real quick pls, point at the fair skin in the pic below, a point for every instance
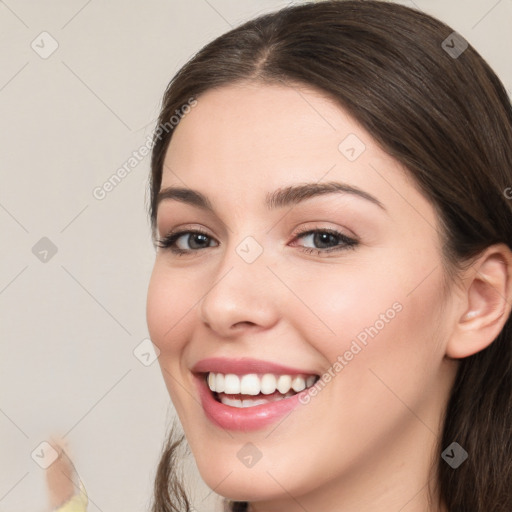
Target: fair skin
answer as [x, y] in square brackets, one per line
[366, 441]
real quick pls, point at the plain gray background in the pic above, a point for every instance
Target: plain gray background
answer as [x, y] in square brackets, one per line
[70, 321]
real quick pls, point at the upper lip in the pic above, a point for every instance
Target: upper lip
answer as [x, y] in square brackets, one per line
[245, 365]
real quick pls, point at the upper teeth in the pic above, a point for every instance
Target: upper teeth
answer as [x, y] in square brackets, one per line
[254, 384]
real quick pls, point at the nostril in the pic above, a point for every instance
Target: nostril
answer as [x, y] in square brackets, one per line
[242, 324]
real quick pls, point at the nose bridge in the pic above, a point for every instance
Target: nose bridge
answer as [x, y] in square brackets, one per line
[241, 290]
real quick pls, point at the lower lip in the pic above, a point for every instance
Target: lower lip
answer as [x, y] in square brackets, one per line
[246, 418]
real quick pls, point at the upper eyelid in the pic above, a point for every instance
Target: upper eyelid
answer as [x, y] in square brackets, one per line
[179, 196]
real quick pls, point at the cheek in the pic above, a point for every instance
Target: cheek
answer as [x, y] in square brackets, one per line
[168, 311]
[372, 309]
[344, 300]
[168, 314]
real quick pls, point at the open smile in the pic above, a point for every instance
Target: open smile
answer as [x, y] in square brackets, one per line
[254, 389]
[235, 399]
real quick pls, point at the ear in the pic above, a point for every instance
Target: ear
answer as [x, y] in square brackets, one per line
[486, 303]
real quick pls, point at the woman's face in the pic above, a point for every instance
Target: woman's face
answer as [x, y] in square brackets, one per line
[279, 283]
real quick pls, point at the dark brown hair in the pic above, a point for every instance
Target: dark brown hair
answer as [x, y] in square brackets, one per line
[448, 120]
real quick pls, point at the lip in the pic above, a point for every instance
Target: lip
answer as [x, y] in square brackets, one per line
[244, 365]
[244, 419]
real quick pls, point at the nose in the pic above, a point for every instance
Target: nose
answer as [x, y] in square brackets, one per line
[241, 296]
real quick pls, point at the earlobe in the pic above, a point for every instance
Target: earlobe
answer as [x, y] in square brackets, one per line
[487, 303]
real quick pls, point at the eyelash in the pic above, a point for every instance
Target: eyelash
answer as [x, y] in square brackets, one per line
[168, 242]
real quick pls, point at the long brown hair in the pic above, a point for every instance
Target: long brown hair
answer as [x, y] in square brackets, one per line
[448, 119]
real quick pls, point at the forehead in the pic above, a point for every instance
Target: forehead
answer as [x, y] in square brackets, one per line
[250, 121]
[248, 139]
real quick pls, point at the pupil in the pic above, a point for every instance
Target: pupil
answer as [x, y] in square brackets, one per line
[195, 236]
[321, 238]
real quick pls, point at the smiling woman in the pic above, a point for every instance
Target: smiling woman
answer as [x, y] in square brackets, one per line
[341, 176]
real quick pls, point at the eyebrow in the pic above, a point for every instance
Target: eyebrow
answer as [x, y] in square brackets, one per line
[280, 198]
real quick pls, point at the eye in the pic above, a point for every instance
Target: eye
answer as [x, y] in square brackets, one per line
[326, 240]
[194, 239]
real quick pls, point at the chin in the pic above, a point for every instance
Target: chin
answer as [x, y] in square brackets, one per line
[266, 480]
[243, 485]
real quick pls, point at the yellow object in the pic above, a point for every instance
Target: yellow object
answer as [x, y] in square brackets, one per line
[78, 503]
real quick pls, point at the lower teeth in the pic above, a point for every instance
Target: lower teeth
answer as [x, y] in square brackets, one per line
[242, 403]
